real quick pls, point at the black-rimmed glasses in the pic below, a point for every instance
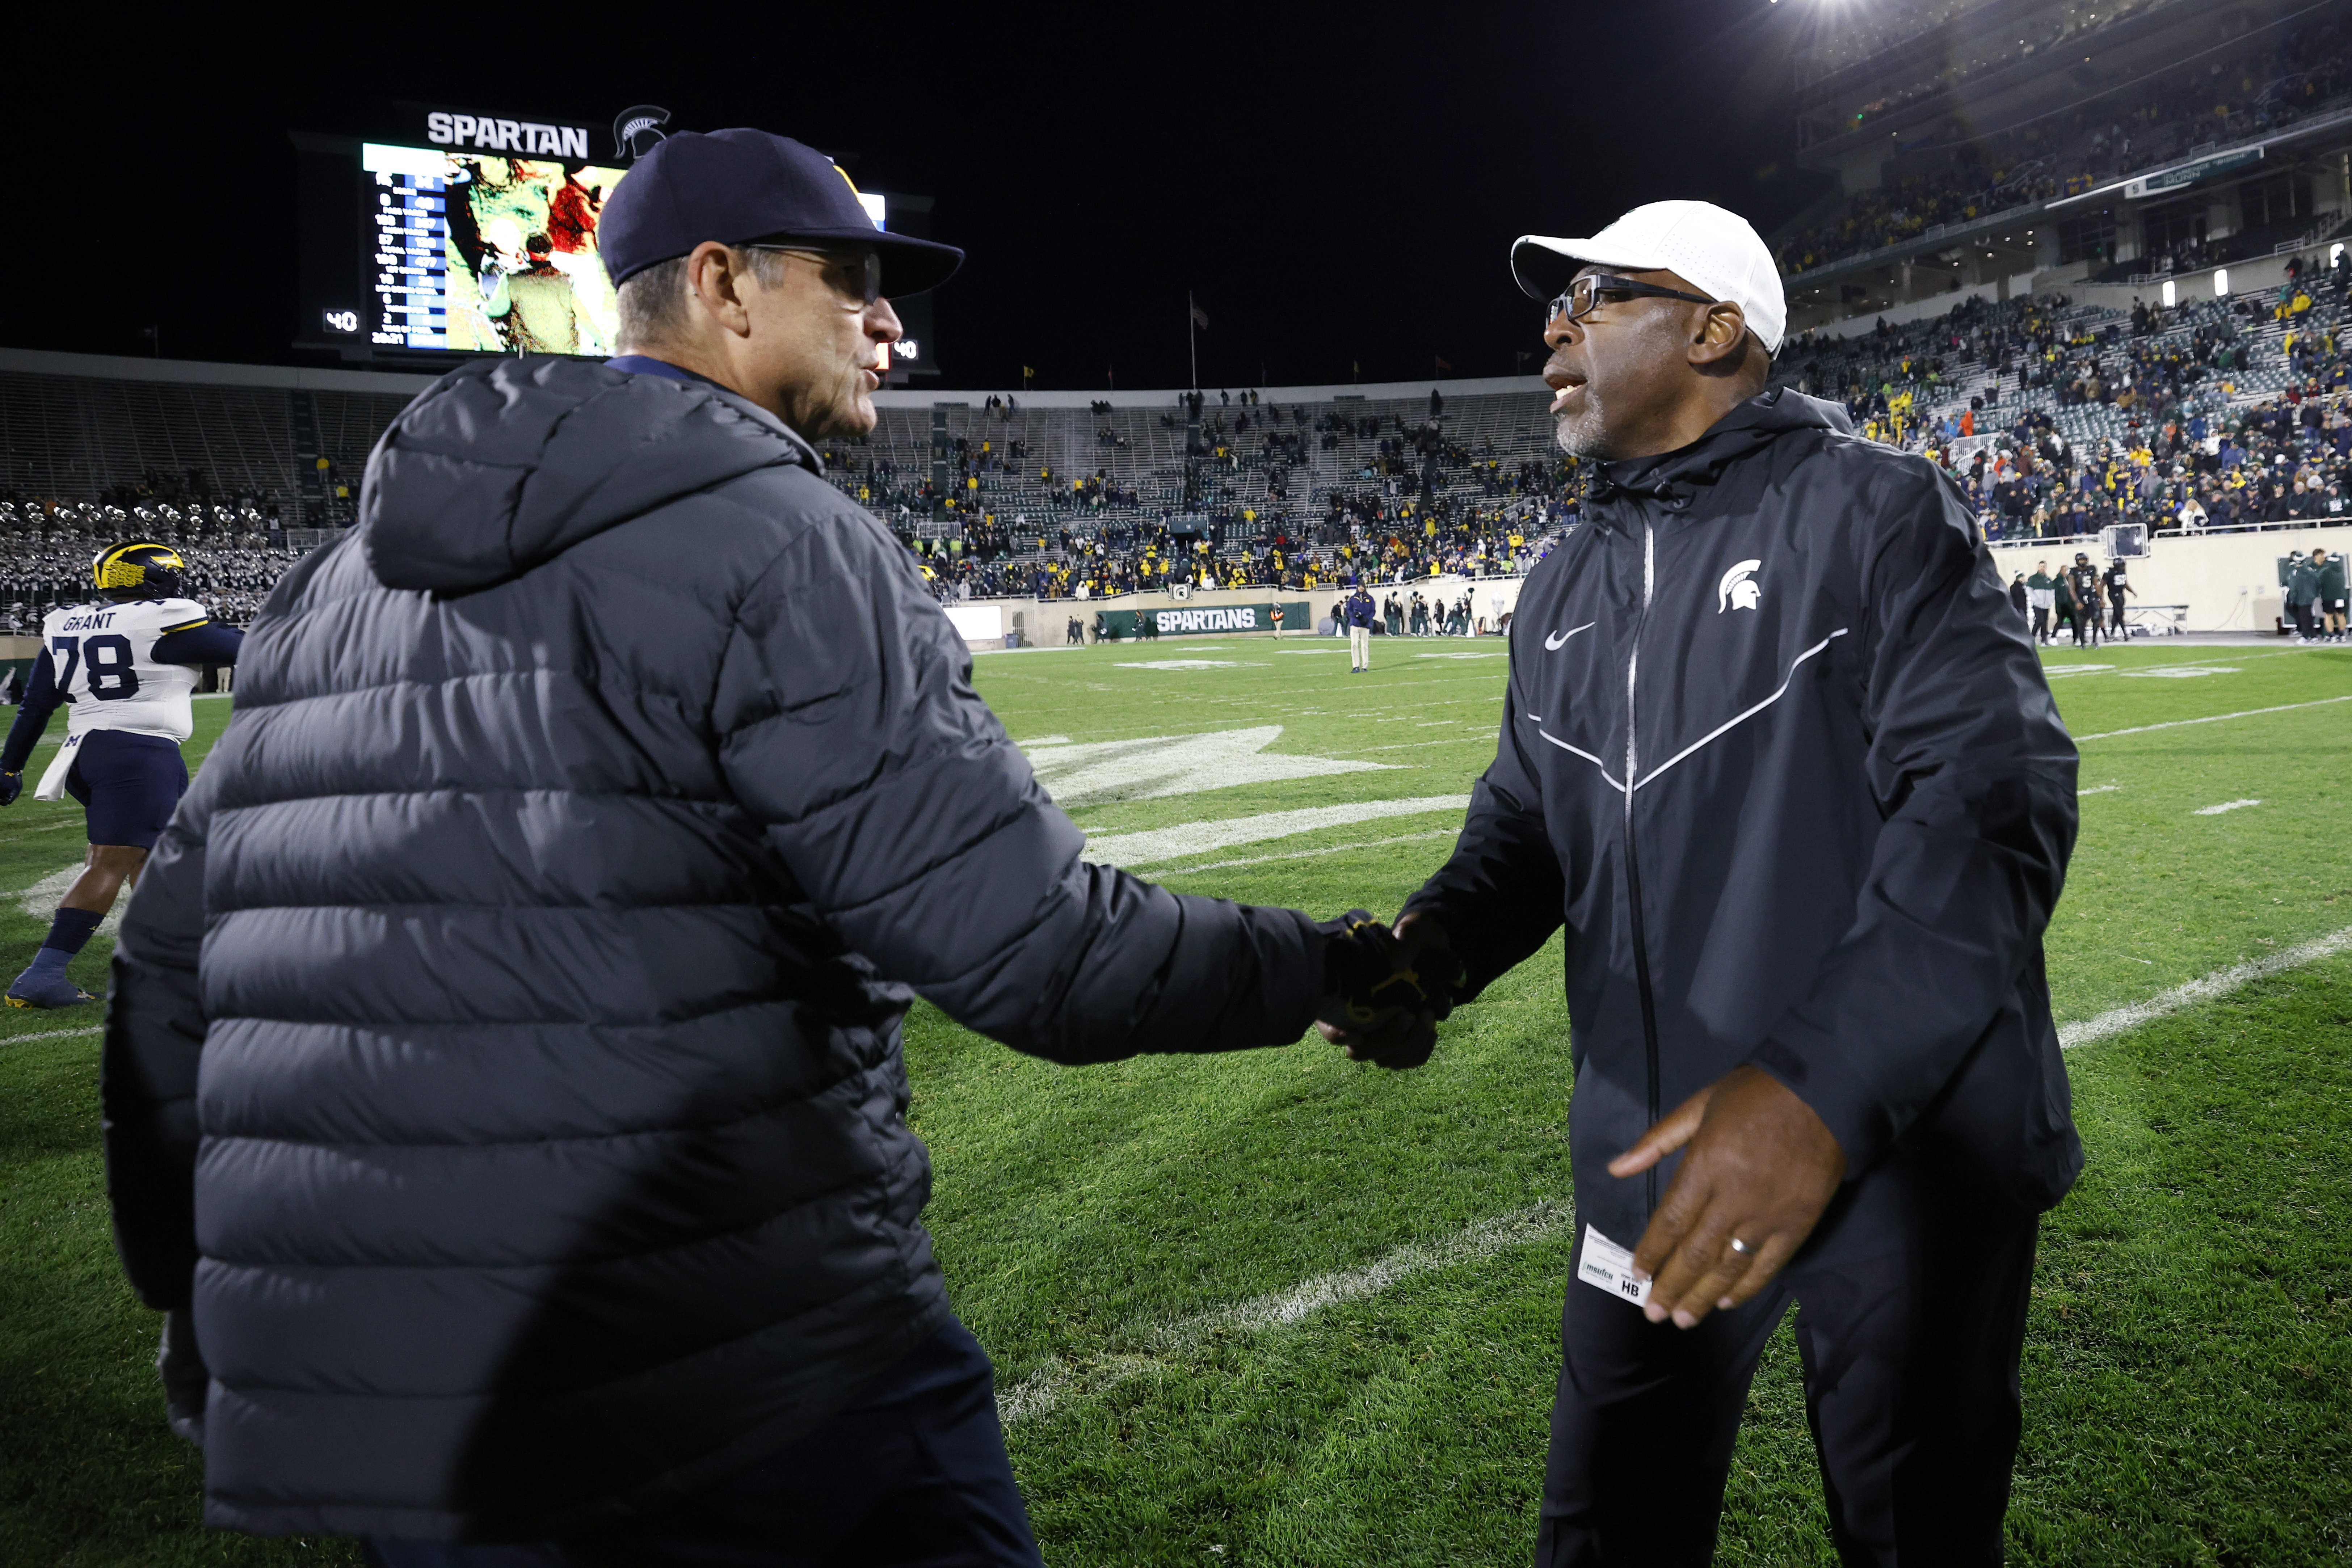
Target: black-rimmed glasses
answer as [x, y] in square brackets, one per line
[1586, 293]
[870, 282]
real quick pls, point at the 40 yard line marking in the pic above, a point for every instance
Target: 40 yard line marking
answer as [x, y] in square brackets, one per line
[1059, 1382]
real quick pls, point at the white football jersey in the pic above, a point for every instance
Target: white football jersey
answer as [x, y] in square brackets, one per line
[100, 657]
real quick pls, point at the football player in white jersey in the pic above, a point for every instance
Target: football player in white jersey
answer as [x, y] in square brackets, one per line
[126, 664]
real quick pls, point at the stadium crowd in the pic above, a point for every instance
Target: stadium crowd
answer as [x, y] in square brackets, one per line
[1230, 509]
[1359, 537]
[45, 546]
[2058, 421]
[2071, 423]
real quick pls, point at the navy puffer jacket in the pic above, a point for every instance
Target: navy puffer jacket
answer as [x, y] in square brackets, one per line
[504, 1056]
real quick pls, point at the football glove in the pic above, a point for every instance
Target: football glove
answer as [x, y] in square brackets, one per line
[11, 785]
[1360, 973]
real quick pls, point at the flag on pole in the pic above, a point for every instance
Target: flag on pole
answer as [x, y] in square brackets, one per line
[1200, 318]
[1444, 363]
[1027, 370]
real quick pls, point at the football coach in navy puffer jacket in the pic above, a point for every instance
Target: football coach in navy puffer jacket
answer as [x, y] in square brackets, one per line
[503, 1078]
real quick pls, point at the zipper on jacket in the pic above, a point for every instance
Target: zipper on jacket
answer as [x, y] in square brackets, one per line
[1633, 863]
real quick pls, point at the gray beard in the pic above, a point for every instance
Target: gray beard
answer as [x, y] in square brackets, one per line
[1580, 433]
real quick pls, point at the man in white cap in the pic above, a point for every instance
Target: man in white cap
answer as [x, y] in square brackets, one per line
[1780, 757]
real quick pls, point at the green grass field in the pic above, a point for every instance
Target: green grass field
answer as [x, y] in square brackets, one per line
[1275, 1308]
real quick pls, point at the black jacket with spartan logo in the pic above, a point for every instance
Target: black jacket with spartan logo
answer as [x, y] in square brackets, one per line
[1779, 754]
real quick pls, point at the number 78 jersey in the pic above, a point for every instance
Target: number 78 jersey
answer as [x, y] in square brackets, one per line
[102, 657]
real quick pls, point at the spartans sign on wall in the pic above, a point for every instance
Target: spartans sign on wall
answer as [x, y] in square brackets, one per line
[1296, 616]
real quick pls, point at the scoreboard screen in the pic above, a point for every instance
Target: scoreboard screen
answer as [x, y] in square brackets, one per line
[470, 233]
[487, 254]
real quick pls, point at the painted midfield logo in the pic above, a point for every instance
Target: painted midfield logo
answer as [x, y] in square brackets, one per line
[1738, 589]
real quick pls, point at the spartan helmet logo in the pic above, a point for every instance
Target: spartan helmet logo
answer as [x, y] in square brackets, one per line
[637, 130]
[1738, 590]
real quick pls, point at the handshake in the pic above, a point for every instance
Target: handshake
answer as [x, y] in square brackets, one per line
[1384, 990]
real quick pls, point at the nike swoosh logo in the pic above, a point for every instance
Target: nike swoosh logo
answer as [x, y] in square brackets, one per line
[1552, 644]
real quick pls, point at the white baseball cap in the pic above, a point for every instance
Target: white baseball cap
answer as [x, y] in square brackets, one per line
[1719, 253]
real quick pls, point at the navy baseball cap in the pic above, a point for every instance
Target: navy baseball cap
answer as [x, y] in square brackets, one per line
[739, 185]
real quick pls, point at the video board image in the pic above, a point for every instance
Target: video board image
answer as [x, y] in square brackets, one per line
[485, 254]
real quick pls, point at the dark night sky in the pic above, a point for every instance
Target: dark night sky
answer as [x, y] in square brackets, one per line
[1335, 183]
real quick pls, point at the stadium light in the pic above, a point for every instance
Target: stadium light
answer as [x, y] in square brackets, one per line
[2167, 294]
[2221, 283]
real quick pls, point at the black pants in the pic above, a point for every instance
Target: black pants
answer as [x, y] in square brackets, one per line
[914, 1475]
[1910, 1318]
[2302, 613]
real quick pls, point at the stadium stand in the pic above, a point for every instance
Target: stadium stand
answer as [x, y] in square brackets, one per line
[1975, 143]
[242, 467]
[1287, 490]
[2059, 419]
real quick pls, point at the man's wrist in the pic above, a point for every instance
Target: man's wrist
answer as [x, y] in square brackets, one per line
[1849, 1121]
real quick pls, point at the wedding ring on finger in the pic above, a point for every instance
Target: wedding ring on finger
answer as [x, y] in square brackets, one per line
[1739, 1246]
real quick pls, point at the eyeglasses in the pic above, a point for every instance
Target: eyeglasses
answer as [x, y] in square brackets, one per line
[1584, 295]
[869, 282]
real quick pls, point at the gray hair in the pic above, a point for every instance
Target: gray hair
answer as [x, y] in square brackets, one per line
[653, 309]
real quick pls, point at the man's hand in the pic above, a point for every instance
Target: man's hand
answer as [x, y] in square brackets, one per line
[11, 785]
[1423, 971]
[1759, 1169]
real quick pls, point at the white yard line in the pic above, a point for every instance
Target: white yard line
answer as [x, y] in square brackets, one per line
[2210, 719]
[2209, 987]
[2224, 806]
[74, 821]
[2224, 655]
[50, 1034]
[1184, 665]
[40, 901]
[1059, 1382]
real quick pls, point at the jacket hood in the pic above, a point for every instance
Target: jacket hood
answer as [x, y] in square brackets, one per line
[507, 462]
[1750, 428]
